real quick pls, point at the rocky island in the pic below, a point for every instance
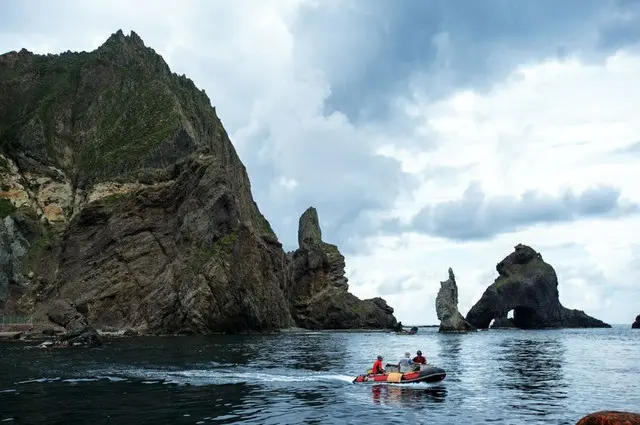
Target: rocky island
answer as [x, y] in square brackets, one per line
[528, 286]
[636, 324]
[447, 307]
[124, 205]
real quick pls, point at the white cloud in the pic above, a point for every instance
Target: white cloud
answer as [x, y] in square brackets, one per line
[550, 126]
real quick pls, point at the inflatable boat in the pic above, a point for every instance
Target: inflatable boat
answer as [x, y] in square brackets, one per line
[425, 373]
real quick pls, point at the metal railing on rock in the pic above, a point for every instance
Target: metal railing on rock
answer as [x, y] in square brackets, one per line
[15, 323]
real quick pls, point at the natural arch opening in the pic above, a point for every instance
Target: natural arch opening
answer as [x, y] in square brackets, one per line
[510, 314]
[526, 318]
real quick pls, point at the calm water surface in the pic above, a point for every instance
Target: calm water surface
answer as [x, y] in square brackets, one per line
[500, 377]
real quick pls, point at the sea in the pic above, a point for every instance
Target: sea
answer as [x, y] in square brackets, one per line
[493, 377]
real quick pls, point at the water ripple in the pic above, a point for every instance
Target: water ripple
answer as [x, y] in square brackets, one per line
[514, 377]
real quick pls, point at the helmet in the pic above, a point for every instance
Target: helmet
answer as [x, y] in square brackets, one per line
[419, 352]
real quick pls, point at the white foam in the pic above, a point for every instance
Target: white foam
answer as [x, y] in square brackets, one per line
[202, 377]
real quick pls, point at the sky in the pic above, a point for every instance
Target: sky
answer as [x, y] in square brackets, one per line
[428, 134]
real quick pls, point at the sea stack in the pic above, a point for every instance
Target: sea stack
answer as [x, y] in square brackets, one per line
[447, 307]
[319, 289]
[636, 324]
[528, 286]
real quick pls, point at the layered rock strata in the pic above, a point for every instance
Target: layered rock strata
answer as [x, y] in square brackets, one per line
[123, 195]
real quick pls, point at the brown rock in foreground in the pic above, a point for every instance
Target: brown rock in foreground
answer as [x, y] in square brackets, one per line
[607, 417]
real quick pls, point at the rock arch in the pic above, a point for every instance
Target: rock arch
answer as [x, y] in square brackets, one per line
[528, 286]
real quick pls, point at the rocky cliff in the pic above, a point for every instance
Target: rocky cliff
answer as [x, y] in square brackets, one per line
[447, 307]
[528, 286]
[319, 290]
[123, 195]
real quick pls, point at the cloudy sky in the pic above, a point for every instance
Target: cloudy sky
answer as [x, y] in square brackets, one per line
[429, 134]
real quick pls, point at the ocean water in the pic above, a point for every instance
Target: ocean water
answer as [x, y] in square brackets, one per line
[497, 377]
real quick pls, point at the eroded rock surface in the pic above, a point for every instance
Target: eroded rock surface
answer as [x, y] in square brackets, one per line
[447, 307]
[144, 216]
[66, 314]
[84, 336]
[319, 289]
[528, 286]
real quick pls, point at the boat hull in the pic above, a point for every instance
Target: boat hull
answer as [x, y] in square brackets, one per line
[428, 374]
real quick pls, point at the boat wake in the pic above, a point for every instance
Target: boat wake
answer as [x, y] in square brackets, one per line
[199, 377]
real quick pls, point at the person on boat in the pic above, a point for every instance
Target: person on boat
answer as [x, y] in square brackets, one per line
[405, 363]
[419, 358]
[377, 366]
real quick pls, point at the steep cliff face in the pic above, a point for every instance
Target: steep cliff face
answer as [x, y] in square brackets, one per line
[128, 199]
[150, 217]
[528, 286]
[319, 289]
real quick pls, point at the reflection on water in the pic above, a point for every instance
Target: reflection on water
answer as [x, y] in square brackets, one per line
[506, 377]
[534, 373]
[450, 351]
[406, 395]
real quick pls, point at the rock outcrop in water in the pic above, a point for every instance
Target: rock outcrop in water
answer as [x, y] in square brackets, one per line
[144, 212]
[636, 324]
[610, 417]
[319, 290]
[447, 307]
[528, 286]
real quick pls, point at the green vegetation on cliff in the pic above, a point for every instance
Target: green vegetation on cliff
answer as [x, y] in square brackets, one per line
[102, 114]
[6, 208]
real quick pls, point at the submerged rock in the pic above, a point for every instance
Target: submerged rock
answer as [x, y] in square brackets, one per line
[610, 417]
[447, 307]
[636, 324]
[85, 336]
[528, 286]
[319, 290]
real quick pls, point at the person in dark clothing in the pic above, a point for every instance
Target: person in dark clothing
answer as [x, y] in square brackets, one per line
[419, 358]
[377, 366]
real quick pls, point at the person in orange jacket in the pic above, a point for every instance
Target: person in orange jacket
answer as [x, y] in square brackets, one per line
[419, 359]
[377, 366]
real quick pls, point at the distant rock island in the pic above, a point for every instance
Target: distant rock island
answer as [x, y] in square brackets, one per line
[447, 307]
[636, 324]
[124, 201]
[528, 286]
